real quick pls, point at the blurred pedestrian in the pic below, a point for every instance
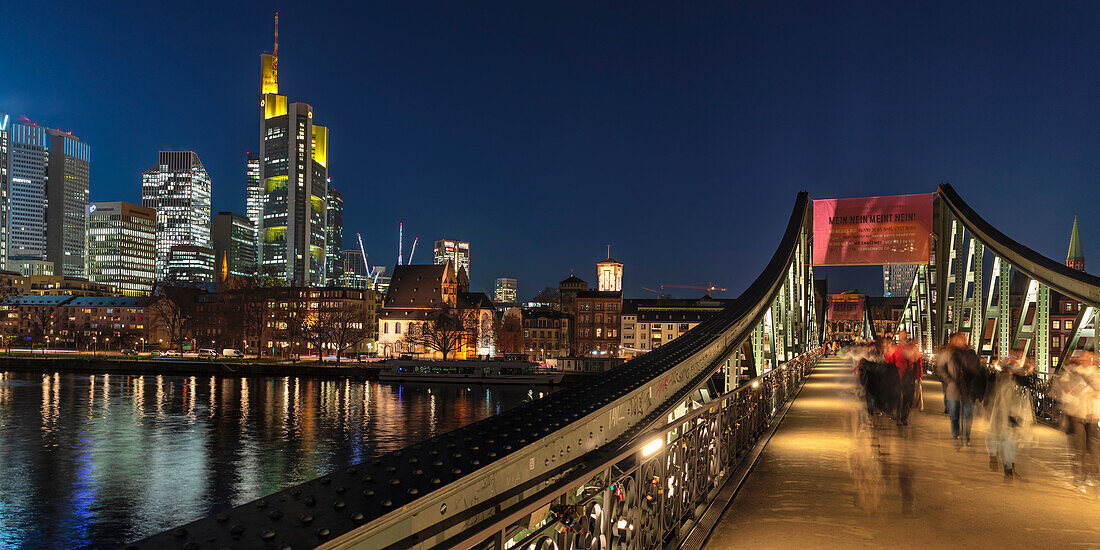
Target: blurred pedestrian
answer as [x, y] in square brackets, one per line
[1077, 390]
[907, 363]
[1010, 414]
[963, 383]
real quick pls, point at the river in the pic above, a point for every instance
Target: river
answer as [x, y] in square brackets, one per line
[92, 461]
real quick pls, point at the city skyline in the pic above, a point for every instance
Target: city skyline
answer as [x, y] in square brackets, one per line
[840, 151]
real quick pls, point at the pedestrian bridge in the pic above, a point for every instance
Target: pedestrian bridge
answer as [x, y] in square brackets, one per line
[651, 454]
[826, 481]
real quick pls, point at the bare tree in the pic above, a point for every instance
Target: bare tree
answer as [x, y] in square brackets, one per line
[171, 310]
[444, 331]
[347, 326]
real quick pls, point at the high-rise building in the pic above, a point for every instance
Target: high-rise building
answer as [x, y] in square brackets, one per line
[897, 279]
[47, 192]
[1075, 257]
[506, 291]
[189, 264]
[122, 246]
[334, 236]
[5, 193]
[254, 198]
[234, 247]
[458, 252]
[178, 188]
[353, 270]
[294, 173]
[609, 275]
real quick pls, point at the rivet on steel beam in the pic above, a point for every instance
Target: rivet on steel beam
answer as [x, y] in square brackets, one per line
[357, 517]
[179, 532]
[339, 505]
[306, 519]
[413, 491]
[268, 535]
[221, 517]
[322, 533]
[275, 515]
[236, 529]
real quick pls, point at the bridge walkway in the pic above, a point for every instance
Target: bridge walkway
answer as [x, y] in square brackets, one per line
[823, 481]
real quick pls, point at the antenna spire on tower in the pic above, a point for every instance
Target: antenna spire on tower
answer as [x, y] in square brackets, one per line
[275, 52]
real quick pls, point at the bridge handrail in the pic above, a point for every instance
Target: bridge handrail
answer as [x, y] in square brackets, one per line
[601, 459]
[535, 421]
[1078, 285]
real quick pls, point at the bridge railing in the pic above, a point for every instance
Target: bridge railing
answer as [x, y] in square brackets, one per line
[651, 493]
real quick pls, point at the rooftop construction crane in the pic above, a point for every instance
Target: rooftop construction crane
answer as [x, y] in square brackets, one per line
[710, 288]
[413, 251]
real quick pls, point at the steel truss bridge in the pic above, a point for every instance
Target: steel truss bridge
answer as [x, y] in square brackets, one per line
[647, 456]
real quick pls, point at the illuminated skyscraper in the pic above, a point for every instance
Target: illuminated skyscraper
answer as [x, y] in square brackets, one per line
[334, 236]
[47, 215]
[178, 188]
[506, 291]
[294, 173]
[897, 279]
[234, 247]
[352, 269]
[122, 246]
[5, 150]
[458, 252]
[254, 197]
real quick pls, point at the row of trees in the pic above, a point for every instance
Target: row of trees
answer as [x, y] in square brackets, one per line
[253, 312]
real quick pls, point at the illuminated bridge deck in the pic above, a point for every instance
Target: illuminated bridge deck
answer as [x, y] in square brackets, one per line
[822, 482]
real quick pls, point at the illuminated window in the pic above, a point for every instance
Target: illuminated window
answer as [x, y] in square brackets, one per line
[397, 328]
[1057, 325]
[1068, 324]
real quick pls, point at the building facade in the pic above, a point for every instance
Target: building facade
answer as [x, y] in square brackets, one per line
[122, 246]
[190, 265]
[598, 323]
[649, 323]
[254, 196]
[5, 190]
[506, 291]
[545, 333]
[294, 174]
[334, 236]
[178, 188]
[234, 243]
[47, 185]
[457, 252]
[897, 279]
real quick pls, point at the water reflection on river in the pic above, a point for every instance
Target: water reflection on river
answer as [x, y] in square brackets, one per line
[100, 460]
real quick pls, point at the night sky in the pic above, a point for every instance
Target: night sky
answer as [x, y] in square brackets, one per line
[678, 132]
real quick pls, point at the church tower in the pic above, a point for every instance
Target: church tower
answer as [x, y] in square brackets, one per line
[1075, 258]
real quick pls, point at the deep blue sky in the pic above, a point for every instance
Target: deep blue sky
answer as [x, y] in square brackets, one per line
[679, 132]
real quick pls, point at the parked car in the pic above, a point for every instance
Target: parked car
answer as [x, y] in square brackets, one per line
[206, 353]
[172, 353]
[232, 353]
[157, 353]
[129, 352]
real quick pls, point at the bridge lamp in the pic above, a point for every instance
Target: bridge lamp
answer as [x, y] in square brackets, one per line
[653, 446]
[756, 383]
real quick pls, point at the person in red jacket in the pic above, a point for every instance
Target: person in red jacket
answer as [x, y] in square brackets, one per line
[906, 358]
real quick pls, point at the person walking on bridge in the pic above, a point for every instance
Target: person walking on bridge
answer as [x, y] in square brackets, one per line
[1077, 390]
[1010, 414]
[961, 375]
[906, 360]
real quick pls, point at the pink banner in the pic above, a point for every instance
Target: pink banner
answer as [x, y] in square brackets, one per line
[873, 230]
[845, 307]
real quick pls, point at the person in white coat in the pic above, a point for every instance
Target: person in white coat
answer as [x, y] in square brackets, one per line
[1010, 414]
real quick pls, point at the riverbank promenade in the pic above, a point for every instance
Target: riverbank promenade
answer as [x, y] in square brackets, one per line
[828, 480]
